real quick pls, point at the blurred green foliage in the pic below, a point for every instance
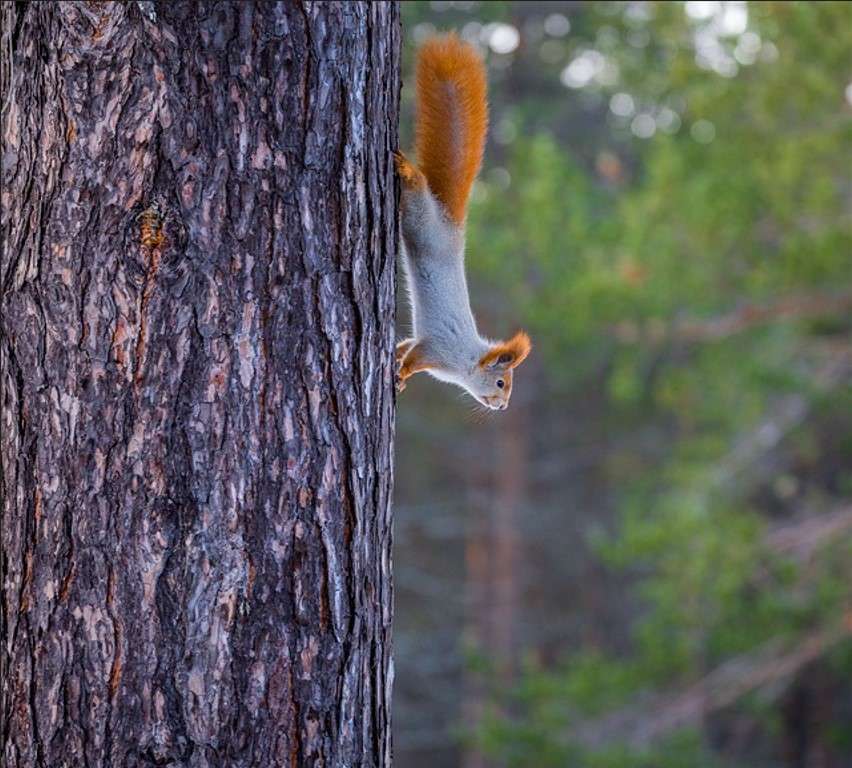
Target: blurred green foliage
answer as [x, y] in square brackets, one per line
[604, 245]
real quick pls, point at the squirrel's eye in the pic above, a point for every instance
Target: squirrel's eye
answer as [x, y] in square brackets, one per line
[500, 383]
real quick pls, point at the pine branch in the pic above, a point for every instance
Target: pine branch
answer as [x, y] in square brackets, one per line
[648, 719]
[739, 320]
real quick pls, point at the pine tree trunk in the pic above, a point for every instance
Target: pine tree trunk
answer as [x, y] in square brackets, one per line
[197, 281]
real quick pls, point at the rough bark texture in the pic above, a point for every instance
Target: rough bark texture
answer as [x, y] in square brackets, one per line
[197, 284]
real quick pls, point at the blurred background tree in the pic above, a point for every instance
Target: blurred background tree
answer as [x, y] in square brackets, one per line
[647, 561]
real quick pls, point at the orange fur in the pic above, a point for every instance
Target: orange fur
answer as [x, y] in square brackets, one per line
[517, 348]
[408, 172]
[402, 348]
[411, 359]
[452, 119]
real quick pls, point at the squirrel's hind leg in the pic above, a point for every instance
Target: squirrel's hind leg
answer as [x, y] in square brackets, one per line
[421, 217]
[411, 176]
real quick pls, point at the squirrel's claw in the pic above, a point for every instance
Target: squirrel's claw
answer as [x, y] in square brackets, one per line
[398, 381]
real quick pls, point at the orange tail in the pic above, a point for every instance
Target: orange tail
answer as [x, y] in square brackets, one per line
[452, 119]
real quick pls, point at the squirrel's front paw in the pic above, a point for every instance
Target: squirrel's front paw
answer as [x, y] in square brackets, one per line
[398, 381]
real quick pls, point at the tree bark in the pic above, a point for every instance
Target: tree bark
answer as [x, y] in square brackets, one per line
[199, 233]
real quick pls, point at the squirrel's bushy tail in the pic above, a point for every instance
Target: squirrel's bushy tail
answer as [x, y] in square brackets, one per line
[452, 119]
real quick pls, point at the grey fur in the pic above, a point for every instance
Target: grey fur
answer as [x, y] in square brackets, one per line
[443, 323]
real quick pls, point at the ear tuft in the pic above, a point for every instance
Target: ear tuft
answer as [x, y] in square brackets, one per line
[507, 354]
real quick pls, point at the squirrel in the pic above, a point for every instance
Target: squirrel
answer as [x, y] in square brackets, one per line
[452, 120]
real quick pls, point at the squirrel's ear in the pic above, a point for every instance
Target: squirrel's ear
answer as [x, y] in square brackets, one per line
[507, 354]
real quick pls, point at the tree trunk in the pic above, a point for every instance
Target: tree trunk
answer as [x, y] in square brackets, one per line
[198, 290]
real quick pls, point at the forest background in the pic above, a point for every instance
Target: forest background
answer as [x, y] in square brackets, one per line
[646, 561]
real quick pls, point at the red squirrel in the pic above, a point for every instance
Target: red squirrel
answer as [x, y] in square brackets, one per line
[452, 120]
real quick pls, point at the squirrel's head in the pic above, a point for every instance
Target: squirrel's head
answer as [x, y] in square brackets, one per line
[491, 380]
